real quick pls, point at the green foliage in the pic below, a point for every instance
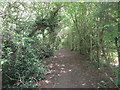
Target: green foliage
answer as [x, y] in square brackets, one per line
[25, 65]
[93, 28]
[18, 73]
[102, 84]
[33, 31]
[23, 54]
[92, 35]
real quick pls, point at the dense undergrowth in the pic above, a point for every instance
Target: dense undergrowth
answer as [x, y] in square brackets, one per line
[94, 32]
[32, 32]
[25, 45]
[25, 67]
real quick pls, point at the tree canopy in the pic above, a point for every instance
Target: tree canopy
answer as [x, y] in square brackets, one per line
[33, 31]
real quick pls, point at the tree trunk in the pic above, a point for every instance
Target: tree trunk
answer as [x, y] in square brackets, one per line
[117, 42]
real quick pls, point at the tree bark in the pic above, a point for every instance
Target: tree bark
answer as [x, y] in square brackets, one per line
[118, 51]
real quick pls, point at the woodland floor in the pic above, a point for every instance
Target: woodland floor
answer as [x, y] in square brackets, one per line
[69, 69]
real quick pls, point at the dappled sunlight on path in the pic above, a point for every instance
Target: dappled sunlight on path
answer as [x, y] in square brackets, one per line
[69, 69]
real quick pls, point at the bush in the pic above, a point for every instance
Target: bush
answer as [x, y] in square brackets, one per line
[22, 73]
[22, 59]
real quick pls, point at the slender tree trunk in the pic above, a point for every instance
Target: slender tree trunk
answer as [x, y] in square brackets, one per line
[98, 47]
[91, 57]
[98, 55]
[118, 51]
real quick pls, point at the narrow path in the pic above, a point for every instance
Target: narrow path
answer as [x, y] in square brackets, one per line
[69, 69]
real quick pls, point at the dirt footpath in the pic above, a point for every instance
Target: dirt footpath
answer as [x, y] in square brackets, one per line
[69, 69]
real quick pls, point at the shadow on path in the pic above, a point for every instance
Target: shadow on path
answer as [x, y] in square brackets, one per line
[69, 69]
